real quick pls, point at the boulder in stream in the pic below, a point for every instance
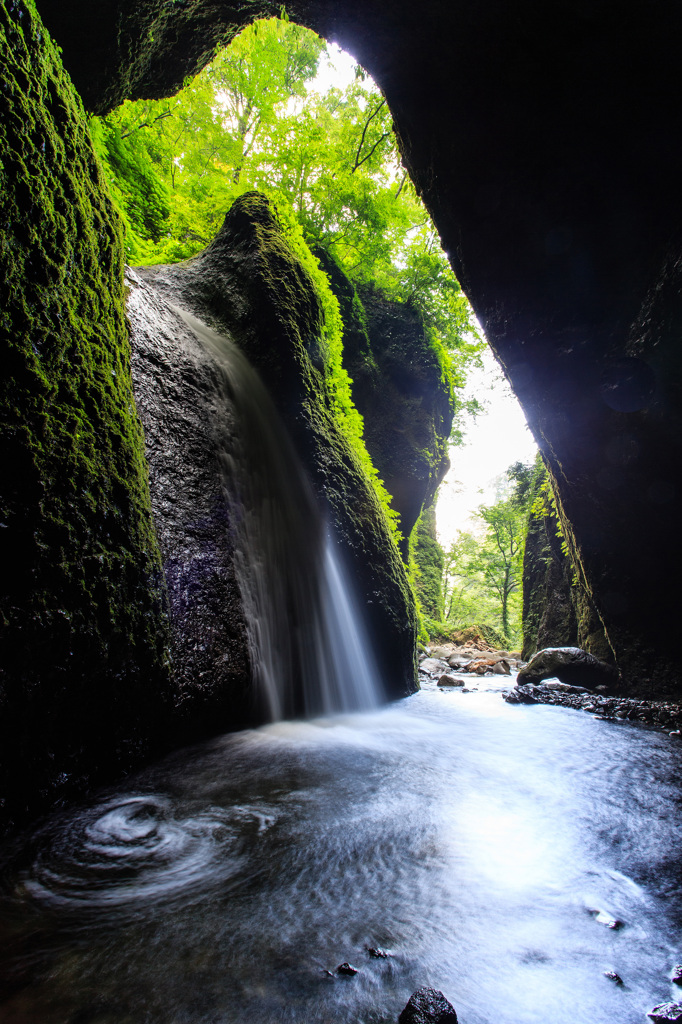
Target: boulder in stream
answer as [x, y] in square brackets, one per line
[447, 680]
[347, 969]
[429, 1006]
[665, 1013]
[570, 665]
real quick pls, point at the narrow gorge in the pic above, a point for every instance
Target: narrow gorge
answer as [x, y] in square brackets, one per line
[211, 470]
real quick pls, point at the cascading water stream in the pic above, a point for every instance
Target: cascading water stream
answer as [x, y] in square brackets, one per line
[309, 651]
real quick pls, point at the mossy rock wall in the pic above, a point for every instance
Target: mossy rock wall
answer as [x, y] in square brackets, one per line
[557, 608]
[83, 680]
[250, 285]
[399, 389]
[430, 561]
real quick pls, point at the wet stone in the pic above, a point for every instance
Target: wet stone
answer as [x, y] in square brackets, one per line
[676, 976]
[601, 917]
[666, 1012]
[346, 968]
[448, 680]
[428, 1006]
[378, 953]
[612, 976]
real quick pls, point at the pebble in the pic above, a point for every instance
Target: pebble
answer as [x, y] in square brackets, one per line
[448, 680]
[603, 918]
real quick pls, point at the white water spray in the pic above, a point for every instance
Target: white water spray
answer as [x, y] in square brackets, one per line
[309, 649]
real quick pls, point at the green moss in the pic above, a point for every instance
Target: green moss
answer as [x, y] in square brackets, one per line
[258, 284]
[81, 598]
[429, 561]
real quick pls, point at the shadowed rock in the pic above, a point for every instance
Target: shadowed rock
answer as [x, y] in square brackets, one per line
[428, 1006]
[569, 665]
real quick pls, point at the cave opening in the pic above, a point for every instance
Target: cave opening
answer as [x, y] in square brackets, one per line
[326, 869]
[284, 113]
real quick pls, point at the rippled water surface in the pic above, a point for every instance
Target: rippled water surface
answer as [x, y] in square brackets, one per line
[486, 847]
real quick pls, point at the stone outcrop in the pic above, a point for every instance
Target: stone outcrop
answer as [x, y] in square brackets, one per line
[428, 1006]
[250, 285]
[88, 687]
[557, 608]
[544, 141]
[402, 390]
[83, 664]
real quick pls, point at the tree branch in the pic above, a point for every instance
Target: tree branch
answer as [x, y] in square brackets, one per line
[148, 124]
[369, 120]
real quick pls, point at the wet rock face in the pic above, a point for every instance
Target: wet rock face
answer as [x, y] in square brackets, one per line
[179, 392]
[544, 142]
[249, 285]
[83, 662]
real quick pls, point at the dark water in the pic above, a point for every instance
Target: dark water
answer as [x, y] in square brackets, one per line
[473, 840]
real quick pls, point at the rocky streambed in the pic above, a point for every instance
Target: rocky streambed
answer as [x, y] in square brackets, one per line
[472, 669]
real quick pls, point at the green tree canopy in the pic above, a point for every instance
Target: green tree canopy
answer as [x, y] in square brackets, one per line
[255, 119]
[483, 573]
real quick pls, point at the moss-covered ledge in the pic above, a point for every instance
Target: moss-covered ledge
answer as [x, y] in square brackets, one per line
[253, 284]
[82, 665]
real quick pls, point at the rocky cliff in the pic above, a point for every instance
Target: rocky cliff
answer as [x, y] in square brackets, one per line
[112, 646]
[402, 389]
[544, 141]
[83, 664]
[250, 285]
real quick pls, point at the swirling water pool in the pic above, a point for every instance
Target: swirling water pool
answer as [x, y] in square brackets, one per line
[487, 848]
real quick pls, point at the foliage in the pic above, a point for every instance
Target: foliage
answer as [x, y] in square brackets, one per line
[336, 378]
[254, 119]
[483, 573]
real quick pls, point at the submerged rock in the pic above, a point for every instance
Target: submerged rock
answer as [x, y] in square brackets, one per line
[666, 1012]
[378, 953]
[429, 1006]
[346, 968]
[677, 974]
[569, 665]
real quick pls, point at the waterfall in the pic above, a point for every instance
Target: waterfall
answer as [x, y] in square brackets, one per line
[309, 650]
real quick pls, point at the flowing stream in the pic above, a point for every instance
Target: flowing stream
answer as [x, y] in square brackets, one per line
[486, 847]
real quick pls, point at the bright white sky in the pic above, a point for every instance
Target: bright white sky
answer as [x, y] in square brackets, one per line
[338, 70]
[493, 441]
[499, 436]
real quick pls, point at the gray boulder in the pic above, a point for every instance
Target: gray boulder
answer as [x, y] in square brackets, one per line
[570, 665]
[448, 680]
[428, 1006]
[433, 666]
